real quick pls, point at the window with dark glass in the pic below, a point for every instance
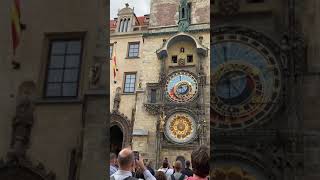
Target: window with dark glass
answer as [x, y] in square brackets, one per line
[190, 58]
[189, 12]
[129, 83]
[133, 49]
[111, 51]
[153, 96]
[63, 68]
[174, 59]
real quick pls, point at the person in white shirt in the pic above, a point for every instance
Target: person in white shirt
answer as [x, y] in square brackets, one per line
[166, 168]
[127, 164]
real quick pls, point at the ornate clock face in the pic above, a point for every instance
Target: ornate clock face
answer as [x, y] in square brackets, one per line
[245, 81]
[180, 128]
[181, 87]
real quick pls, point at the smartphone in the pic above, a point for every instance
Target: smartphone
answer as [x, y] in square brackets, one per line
[136, 155]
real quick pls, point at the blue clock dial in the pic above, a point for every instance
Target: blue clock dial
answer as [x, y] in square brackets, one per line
[245, 81]
[181, 87]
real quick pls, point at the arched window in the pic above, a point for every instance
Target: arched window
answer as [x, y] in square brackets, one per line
[125, 25]
[119, 27]
[183, 13]
[122, 25]
[128, 24]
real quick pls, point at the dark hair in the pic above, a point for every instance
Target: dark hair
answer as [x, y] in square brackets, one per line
[160, 175]
[188, 163]
[165, 164]
[126, 160]
[200, 161]
[113, 156]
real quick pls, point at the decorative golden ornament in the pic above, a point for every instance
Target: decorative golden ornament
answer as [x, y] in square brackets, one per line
[180, 128]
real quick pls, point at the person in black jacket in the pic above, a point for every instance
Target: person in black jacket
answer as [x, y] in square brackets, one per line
[187, 171]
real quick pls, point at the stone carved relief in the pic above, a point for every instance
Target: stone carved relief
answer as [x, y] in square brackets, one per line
[94, 75]
[117, 99]
[17, 165]
[23, 121]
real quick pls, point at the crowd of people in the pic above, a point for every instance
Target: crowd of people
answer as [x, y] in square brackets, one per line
[126, 166]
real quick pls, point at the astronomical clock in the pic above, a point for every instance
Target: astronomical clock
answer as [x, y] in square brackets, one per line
[181, 87]
[246, 80]
[182, 118]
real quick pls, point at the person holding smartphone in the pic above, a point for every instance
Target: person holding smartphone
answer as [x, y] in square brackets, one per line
[129, 162]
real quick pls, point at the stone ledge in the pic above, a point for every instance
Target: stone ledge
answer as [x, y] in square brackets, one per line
[58, 101]
[140, 132]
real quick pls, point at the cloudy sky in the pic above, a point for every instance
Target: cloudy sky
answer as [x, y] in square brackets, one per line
[141, 7]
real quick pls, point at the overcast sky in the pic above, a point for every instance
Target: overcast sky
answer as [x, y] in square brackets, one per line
[141, 7]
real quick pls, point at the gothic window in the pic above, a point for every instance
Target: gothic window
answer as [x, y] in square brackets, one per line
[189, 12]
[183, 13]
[133, 49]
[63, 69]
[129, 82]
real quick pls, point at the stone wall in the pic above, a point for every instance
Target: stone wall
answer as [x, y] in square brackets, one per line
[166, 12]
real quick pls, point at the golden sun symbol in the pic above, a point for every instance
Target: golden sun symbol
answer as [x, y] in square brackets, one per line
[181, 127]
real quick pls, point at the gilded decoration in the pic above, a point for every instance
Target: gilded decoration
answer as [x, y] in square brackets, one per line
[180, 128]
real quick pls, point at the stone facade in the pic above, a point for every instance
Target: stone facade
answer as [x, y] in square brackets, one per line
[53, 138]
[152, 70]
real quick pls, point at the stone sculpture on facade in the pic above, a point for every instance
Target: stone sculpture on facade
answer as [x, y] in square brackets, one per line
[95, 74]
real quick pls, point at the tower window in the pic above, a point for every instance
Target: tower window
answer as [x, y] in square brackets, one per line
[183, 13]
[190, 58]
[189, 12]
[174, 59]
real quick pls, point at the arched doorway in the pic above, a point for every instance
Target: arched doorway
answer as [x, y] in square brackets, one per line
[116, 139]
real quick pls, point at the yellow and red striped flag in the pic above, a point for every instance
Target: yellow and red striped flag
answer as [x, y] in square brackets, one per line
[114, 62]
[16, 27]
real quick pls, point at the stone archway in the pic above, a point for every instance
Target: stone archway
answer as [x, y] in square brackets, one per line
[116, 139]
[124, 124]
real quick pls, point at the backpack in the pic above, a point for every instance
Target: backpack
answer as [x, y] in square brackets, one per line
[180, 178]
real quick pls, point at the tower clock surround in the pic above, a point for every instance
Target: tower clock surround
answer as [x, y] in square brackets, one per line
[246, 78]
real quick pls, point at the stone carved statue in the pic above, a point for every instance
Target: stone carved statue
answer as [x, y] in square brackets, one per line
[182, 57]
[117, 99]
[162, 122]
[21, 128]
[94, 74]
